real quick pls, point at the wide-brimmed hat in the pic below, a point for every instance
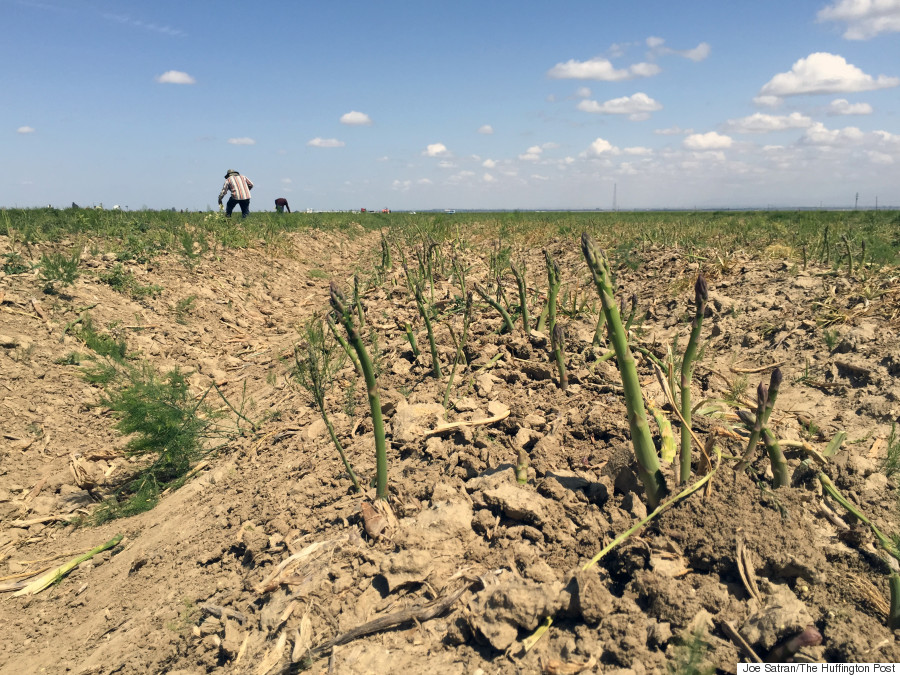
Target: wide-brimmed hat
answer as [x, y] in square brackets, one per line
[231, 172]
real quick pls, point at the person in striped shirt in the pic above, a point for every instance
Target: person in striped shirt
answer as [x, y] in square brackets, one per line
[240, 187]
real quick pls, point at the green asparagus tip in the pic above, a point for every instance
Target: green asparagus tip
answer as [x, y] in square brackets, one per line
[776, 379]
[701, 290]
[762, 395]
[587, 247]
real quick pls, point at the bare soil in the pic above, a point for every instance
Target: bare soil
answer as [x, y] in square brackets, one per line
[267, 552]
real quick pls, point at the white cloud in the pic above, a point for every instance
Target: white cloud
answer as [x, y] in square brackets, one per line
[824, 73]
[637, 150]
[242, 141]
[877, 157]
[175, 77]
[819, 134]
[25, 130]
[401, 185]
[600, 69]
[447, 164]
[435, 150]
[864, 18]
[673, 131]
[698, 53]
[286, 181]
[486, 129]
[841, 106]
[582, 92]
[488, 178]
[708, 141]
[318, 142]
[600, 147]
[767, 101]
[637, 105]
[489, 164]
[356, 119]
[887, 137]
[760, 123]
[424, 181]
[532, 154]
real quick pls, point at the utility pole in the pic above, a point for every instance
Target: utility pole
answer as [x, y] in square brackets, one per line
[856, 203]
[876, 202]
[615, 206]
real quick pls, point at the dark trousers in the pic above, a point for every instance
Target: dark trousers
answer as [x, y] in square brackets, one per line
[243, 203]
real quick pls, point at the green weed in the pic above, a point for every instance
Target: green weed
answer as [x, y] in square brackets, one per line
[831, 337]
[57, 269]
[13, 263]
[690, 656]
[104, 344]
[124, 281]
[165, 423]
[183, 307]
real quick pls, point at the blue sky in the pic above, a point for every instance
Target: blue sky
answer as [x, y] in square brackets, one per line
[462, 104]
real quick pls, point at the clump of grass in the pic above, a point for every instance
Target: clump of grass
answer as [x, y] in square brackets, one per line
[14, 263]
[124, 281]
[104, 344]
[183, 307]
[164, 422]
[831, 337]
[193, 245]
[59, 270]
[690, 656]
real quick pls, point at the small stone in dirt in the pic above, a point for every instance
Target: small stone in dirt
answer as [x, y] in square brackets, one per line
[446, 520]
[210, 625]
[315, 429]
[412, 421]
[406, 567]
[526, 438]
[9, 342]
[517, 503]
[254, 540]
[535, 421]
[782, 616]
[466, 404]
[484, 384]
[401, 367]
[500, 611]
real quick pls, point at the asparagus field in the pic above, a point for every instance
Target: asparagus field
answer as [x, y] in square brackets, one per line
[472, 443]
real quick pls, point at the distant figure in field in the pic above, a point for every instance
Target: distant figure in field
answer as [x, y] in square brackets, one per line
[281, 204]
[240, 187]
